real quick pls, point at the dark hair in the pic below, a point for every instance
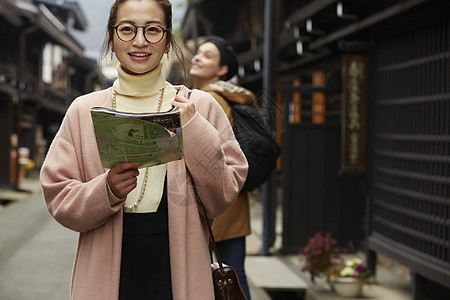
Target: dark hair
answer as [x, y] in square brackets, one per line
[227, 55]
[171, 40]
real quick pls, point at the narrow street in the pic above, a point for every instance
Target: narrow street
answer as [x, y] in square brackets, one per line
[36, 253]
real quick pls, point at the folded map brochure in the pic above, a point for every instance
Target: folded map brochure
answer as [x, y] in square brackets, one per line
[149, 139]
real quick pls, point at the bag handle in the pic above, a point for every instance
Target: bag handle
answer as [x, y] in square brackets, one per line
[211, 236]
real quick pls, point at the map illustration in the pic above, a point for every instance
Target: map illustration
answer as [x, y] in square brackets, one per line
[148, 139]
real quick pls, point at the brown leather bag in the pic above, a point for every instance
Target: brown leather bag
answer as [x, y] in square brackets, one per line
[225, 280]
[226, 283]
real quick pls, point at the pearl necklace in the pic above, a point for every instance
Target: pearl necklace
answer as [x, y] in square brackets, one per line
[144, 182]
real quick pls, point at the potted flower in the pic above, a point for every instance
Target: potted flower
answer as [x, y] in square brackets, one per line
[320, 255]
[348, 278]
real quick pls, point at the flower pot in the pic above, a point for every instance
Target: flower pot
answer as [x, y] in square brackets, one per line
[347, 286]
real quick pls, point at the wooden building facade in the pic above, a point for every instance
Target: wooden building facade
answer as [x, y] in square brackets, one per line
[42, 69]
[362, 109]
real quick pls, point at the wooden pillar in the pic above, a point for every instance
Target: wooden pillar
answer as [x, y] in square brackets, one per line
[6, 124]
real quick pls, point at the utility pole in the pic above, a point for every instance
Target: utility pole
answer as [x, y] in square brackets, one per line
[269, 73]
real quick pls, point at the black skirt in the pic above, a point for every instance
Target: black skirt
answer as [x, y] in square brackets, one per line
[145, 266]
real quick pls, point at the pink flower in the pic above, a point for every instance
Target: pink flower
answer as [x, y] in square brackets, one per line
[361, 268]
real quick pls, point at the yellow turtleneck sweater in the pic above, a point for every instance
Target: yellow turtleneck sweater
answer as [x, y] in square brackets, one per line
[138, 94]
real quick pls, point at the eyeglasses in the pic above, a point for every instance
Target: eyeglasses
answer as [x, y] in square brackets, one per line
[152, 33]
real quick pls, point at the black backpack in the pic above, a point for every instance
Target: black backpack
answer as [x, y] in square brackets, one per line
[257, 143]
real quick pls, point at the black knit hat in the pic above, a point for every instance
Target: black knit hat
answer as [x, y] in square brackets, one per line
[227, 55]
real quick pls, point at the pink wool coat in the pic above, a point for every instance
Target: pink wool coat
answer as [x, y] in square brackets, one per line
[74, 185]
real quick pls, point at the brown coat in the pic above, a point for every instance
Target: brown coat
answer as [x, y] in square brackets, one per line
[235, 222]
[74, 185]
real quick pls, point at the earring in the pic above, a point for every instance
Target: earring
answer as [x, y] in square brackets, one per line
[112, 56]
[168, 56]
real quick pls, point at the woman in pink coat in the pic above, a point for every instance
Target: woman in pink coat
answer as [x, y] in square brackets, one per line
[141, 235]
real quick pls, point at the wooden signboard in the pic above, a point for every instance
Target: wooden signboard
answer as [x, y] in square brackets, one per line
[353, 154]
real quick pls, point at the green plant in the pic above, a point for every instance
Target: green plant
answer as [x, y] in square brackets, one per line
[320, 255]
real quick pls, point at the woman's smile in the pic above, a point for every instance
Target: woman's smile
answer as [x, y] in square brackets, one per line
[139, 56]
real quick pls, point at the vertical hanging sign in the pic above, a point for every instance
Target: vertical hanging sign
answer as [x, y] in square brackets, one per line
[353, 123]
[318, 99]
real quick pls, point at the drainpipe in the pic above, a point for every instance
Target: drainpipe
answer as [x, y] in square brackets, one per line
[269, 73]
[21, 86]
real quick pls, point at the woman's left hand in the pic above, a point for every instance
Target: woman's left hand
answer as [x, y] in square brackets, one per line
[186, 106]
